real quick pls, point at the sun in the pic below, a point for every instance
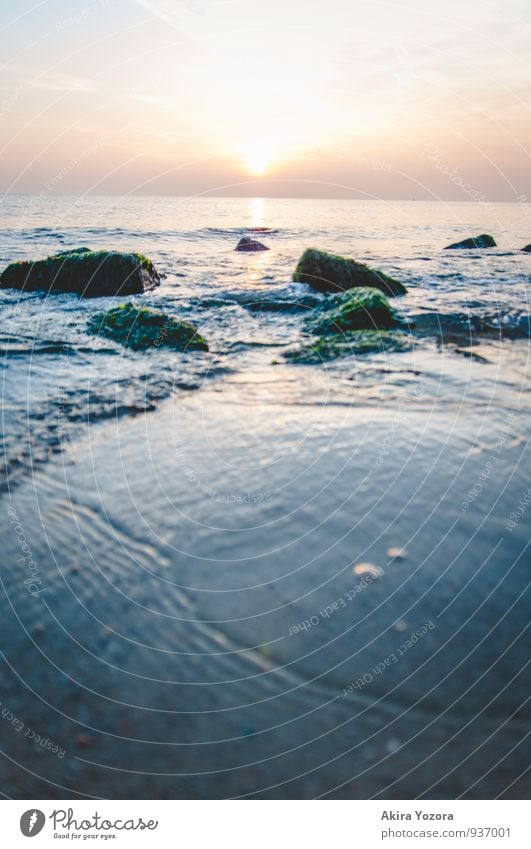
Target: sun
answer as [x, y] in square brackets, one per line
[257, 164]
[260, 153]
[257, 159]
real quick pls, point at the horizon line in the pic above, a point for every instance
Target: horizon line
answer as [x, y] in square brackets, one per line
[211, 195]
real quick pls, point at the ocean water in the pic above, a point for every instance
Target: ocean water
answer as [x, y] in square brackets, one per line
[227, 574]
[58, 378]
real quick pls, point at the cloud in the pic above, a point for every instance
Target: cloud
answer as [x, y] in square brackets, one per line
[160, 135]
[186, 16]
[155, 100]
[52, 81]
[62, 82]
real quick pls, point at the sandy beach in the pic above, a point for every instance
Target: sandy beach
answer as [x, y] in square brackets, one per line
[239, 596]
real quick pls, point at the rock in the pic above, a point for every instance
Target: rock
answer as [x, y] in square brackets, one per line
[527, 249]
[85, 741]
[397, 553]
[91, 274]
[355, 342]
[472, 355]
[278, 300]
[369, 570]
[483, 241]
[248, 244]
[357, 321]
[357, 309]
[74, 251]
[145, 328]
[330, 273]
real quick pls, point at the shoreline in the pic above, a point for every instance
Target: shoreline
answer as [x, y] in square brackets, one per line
[171, 612]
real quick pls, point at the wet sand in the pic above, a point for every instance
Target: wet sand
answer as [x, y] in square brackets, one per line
[218, 608]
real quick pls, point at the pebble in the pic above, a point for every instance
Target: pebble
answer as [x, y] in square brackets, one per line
[367, 569]
[84, 741]
[397, 553]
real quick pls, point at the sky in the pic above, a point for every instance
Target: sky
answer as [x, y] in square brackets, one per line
[288, 98]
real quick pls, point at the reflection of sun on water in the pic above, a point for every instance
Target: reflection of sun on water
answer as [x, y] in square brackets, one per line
[257, 211]
[256, 263]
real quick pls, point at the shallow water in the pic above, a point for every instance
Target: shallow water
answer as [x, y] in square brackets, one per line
[203, 625]
[58, 376]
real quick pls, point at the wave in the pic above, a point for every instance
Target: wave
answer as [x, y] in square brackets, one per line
[238, 231]
[459, 327]
[44, 426]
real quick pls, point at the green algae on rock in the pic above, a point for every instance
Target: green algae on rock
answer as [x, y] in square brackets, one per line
[327, 272]
[355, 342]
[362, 308]
[91, 274]
[483, 241]
[142, 328]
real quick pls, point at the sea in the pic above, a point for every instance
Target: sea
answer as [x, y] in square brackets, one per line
[58, 379]
[233, 574]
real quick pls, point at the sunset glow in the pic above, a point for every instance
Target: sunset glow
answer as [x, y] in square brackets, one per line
[257, 161]
[334, 99]
[257, 165]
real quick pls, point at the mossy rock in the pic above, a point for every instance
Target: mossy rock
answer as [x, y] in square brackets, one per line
[483, 241]
[331, 273]
[357, 309]
[91, 274]
[142, 328]
[357, 342]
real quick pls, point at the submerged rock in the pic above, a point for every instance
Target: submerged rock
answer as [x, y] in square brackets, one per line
[483, 241]
[330, 273]
[91, 274]
[465, 329]
[248, 244]
[141, 328]
[357, 309]
[73, 251]
[347, 344]
[357, 321]
[281, 300]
